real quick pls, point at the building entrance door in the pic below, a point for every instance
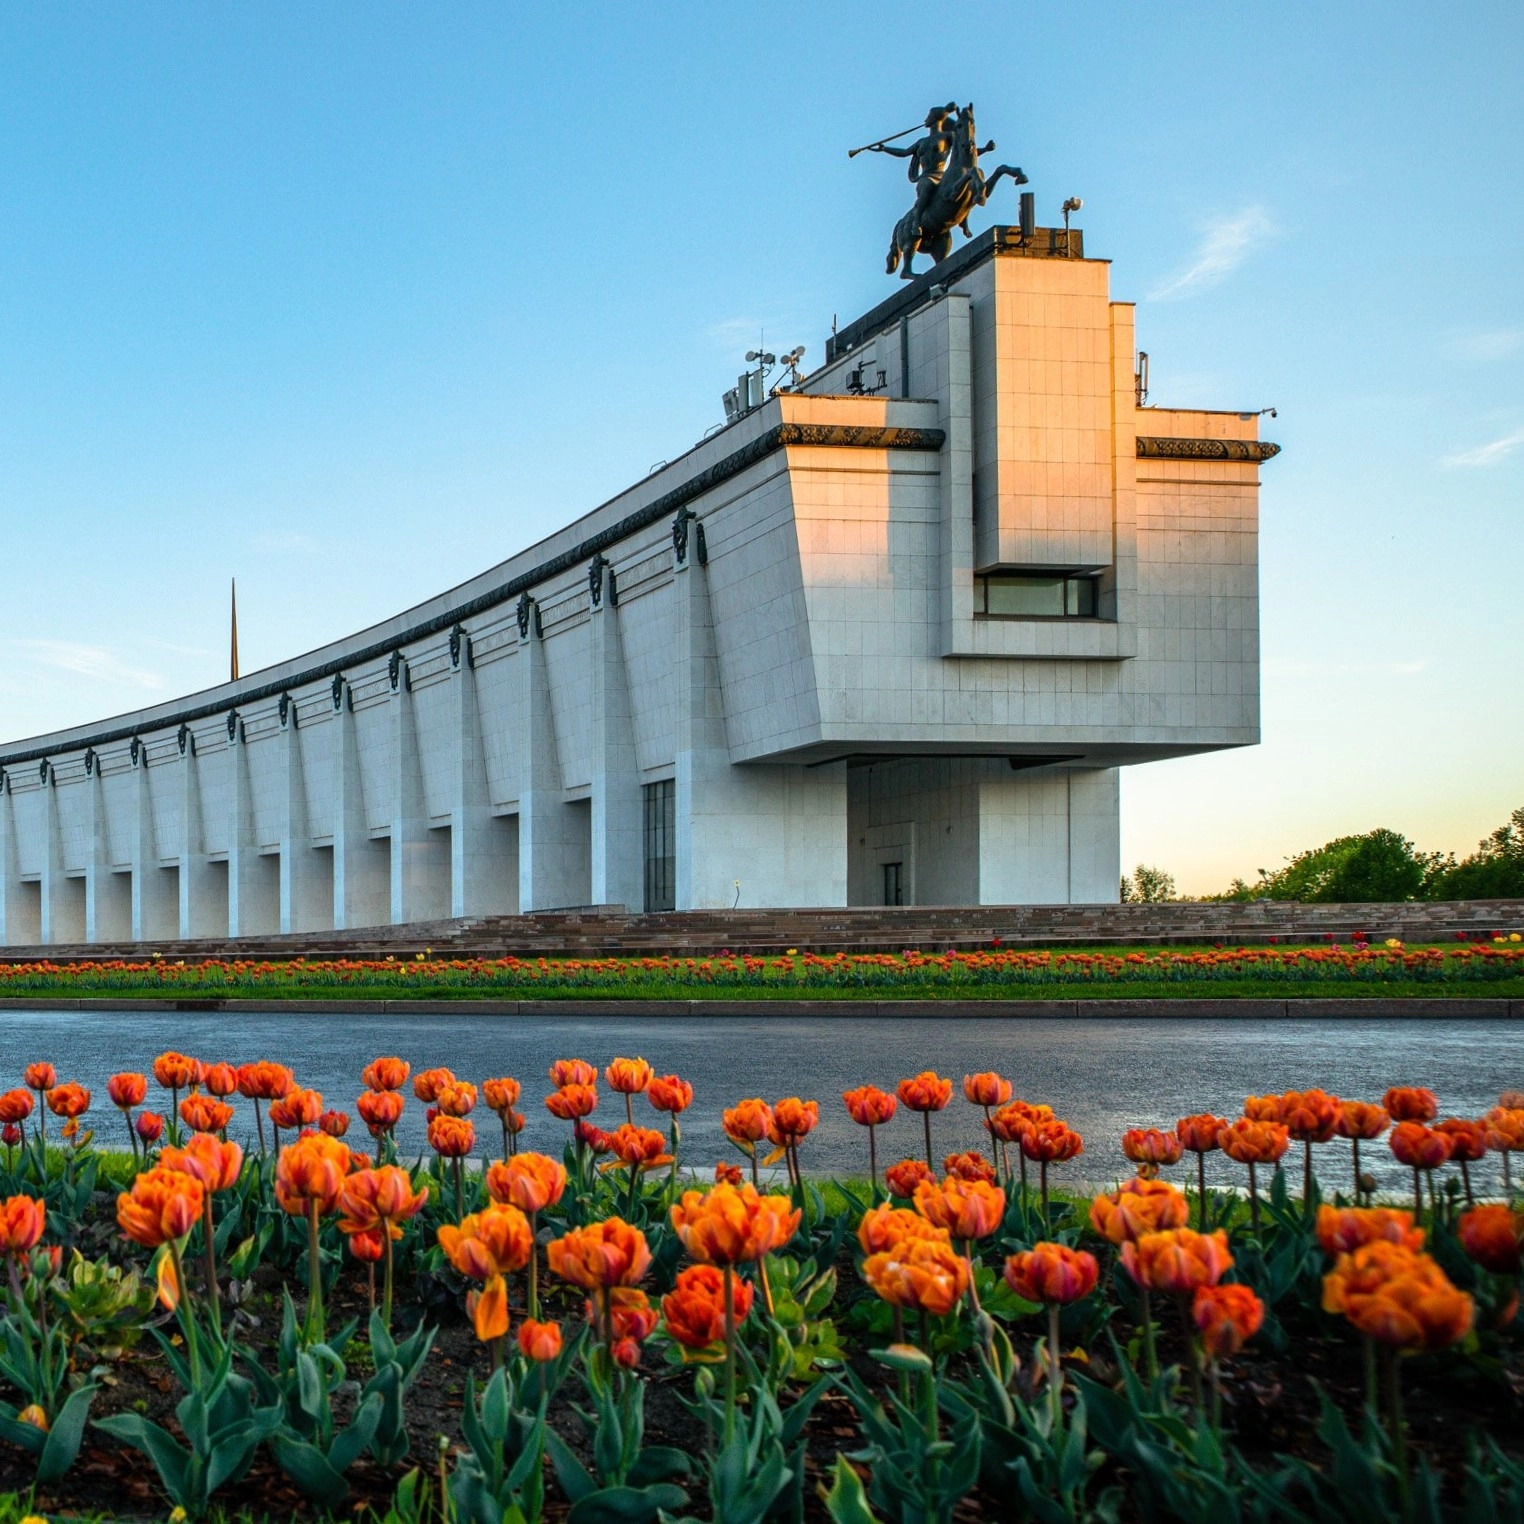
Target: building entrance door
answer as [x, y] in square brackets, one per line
[894, 883]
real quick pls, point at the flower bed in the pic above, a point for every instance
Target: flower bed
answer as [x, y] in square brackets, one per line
[262, 1314]
[1354, 967]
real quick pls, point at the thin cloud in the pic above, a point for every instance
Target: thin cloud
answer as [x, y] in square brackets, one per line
[1492, 344]
[1226, 243]
[85, 661]
[1488, 454]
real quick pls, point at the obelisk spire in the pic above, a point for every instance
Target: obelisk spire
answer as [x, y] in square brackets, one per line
[233, 664]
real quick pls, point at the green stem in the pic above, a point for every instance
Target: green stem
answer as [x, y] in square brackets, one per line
[1253, 1201]
[1372, 1379]
[314, 1278]
[187, 1315]
[1150, 1355]
[1042, 1175]
[259, 1122]
[1055, 1370]
[1417, 1196]
[1201, 1213]
[386, 1285]
[1398, 1424]
[213, 1296]
[460, 1206]
[1306, 1176]
[730, 1355]
[994, 1142]
[926, 1118]
[1192, 1354]
[534, 1267]
[873, 1160]
[1356, 1143]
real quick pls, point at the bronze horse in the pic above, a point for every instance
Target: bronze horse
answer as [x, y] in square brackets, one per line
[963, 187]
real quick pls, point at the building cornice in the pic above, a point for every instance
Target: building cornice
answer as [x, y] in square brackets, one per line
[1152, 447]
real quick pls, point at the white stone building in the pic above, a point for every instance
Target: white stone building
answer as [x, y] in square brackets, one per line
[886, 638]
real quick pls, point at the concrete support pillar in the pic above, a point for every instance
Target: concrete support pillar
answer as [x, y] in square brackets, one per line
[553, 861]
[62, 913]
[306, 898]
[484, 868]
[750, 836]
[361, 886]
[957, 475]
[19, 925]
[420, 865]
[155, 911]
[108, 897]
[203, 883]
[253, 883]
[1095, 836]
[617, 846]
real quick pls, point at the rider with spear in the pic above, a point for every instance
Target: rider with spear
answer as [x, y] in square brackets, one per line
[928, 155]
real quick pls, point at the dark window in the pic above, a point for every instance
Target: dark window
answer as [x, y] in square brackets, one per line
[1034, 595]
[894, 883]
[661, 844]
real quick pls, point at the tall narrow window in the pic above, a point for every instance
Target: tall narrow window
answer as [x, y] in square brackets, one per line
[660, 844]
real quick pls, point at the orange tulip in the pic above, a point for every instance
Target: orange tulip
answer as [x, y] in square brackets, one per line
[631, 1315]
[451, 1137]
[968, 1209]
[205, 1113]
[1051, 1142]
[1505, 1128]
[208, 1159]
[175, 1071]
[928, 1091]
[1492, 1236]
[163, 1205]
[22, 1220]
[372, 1197]
[1310, 1116]
[1179, 1261]
[748, 1122]
[904, 1177]
[456, 1099]
[1362, 1120]
[125, 1090]
[571, 1102]
[793, 1119]
[1468, 1139]
[296, 1108]
[883, 1226]
[1254, 1142]
[429, 1082]
[601, 1255]
[695, 1308]
[986, 1089]
[310, 1174]
[1052, 1273]
[334, 1123]
[629, 1076]
[733, 1225]
[539, 1341]
[385, 1074]
[572, 1071]
[1342, 1230]
[40, 1076]
[531, 1182]
[264, 1081]
[1398, 1298]
[68, 1100]
[638, 1147]
[494, 1242]
[380, 1110]
[15, 1106]
[1227, 1317]
[489, 1309]
[727, 1174]
[221, 1080]
[368, 1248]
[1199, 1133]
[667, 1092]
[920, 1274]
[502, 1095]
[1409, 1103]
[869, 1106]
[1419, 1147]
[1150, 1146]
[1263, 1108]
[1139, 1207]
[149, 1126]
[967, 1166]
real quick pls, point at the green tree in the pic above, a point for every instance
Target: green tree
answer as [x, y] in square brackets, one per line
[1148, 886]
[1495, 871]
[1380, 866]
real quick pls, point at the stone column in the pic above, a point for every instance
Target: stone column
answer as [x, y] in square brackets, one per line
[617, 846]
[18, 920]
[361, 889]
[484, 872]
[1095, 836]
[304, 906]
[550, 854]
[108, 912]
[155, 911]
[957, 529]
[203, 888]
[60, 922]
[253, 891]
[420, 866]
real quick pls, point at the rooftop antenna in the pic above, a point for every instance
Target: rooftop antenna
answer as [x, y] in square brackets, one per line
[1073, 204]
[233, 652]
[791, 360]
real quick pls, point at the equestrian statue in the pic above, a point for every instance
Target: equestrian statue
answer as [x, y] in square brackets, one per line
[944, 168]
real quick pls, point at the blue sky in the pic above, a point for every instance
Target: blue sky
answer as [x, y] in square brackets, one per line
[351, 302]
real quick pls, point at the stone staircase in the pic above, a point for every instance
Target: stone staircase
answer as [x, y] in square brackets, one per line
[594, 931]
